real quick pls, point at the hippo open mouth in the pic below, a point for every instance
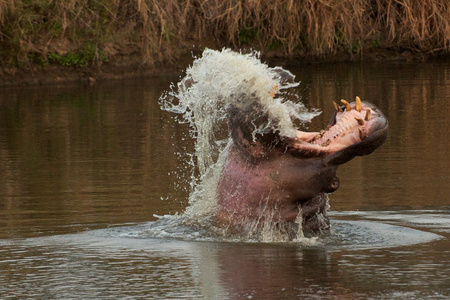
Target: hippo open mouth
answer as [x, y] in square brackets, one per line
[355, 129]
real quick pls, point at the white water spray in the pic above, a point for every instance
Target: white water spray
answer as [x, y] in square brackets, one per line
[210, 86]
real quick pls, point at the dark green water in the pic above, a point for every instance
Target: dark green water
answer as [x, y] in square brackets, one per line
[78, 163]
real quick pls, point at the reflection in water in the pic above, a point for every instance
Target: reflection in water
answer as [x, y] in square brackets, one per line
[81, 157]
[75, 158]
[119, 261]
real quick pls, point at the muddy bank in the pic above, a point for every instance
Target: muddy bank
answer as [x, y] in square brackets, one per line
[133, 67]
[33, 74]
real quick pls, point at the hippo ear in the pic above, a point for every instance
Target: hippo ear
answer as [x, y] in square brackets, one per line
[284, 76]
[250, 128]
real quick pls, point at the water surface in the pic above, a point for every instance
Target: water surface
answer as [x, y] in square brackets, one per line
[85, 169]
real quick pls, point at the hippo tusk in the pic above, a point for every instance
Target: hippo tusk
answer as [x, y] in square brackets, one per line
[336, 107]
[362, 136]
[360, 121]
[358, 104]
[368, 115]
[347, 105]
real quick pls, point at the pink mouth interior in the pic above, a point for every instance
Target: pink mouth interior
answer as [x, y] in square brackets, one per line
[348, 127]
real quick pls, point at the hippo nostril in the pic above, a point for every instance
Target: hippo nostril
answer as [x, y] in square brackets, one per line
[333, 186]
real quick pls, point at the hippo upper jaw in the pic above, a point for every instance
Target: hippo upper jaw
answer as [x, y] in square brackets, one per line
[356, 129]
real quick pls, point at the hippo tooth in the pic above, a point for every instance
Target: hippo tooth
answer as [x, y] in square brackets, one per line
[362, 136]
[358, 104]
[360, 121]
[273, 90]
[368, 116]
[326, 143]
[336, 107]
[347, 105]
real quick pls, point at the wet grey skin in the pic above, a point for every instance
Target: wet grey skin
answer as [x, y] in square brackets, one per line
[271, 178]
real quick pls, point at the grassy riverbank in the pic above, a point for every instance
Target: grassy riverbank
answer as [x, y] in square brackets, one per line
[92, 36]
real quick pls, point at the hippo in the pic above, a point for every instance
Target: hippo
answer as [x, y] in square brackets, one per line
[271, 178]
[265, 175]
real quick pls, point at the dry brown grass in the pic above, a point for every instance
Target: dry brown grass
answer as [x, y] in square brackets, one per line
[158, 30]
[419, 25]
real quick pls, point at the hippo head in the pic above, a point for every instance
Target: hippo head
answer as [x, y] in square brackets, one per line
[281, 180]
[355, 129]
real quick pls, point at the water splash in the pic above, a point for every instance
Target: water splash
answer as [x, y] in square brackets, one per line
[215, 81]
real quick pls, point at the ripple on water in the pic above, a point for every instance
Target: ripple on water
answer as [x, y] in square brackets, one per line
[346, 234]
[353, 234]
[154, 256]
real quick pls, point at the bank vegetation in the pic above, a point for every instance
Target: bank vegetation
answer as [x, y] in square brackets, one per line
[74, 33]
